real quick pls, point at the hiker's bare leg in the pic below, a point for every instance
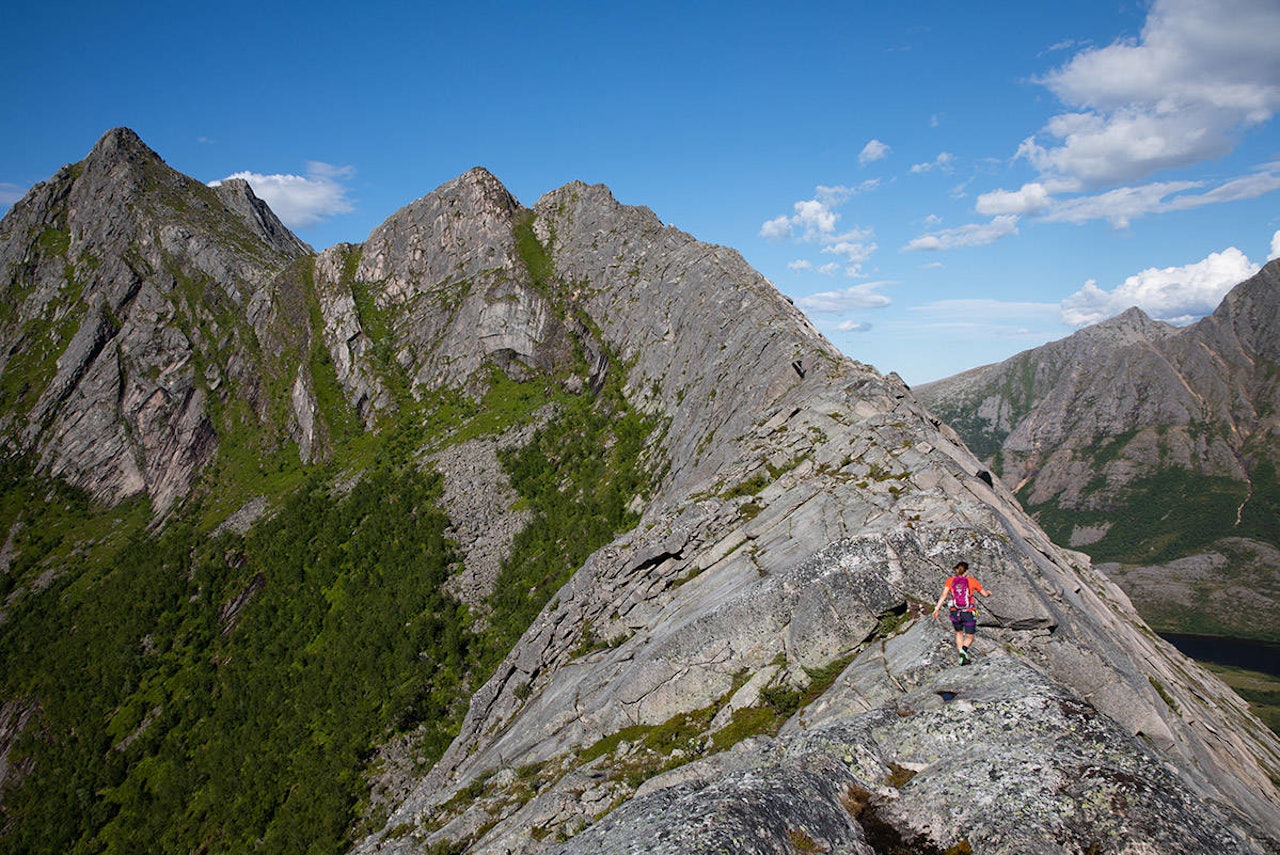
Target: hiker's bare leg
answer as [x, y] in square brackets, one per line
[960, 640]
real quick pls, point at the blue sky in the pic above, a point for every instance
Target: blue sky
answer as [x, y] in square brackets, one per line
[939, 185]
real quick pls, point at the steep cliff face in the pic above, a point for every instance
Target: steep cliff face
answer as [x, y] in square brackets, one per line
[130, 296]
[1145, 444]
[749, 665]
[449, 284]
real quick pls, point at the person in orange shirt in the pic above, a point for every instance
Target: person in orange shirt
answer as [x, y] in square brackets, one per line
[962, 590]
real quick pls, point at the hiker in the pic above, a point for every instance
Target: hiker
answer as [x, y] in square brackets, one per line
[961, 588]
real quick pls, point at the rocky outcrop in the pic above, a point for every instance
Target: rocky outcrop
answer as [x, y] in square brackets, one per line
[450, 284]
[482, 508]
[997, 757]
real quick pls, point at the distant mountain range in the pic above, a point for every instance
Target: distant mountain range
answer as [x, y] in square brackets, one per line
[1151, 448]
[552, 529]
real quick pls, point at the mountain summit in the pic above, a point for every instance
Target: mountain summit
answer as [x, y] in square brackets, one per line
[116, 272]
[546, 529]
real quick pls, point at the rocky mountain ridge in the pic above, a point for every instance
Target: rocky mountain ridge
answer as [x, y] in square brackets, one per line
[1147, 445]
[750, 664]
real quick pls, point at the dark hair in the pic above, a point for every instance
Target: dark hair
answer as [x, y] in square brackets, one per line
[962, 565]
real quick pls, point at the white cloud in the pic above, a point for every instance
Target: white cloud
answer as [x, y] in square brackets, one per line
[1123, 204]
[830, 269]
[872, 151]
[853, 248]
[1118, 206]
[862, 296]
[853, 326]
[815, 220]
[1275, 247]
[779, 228]
[1199, 74]
[800, 264]
[932, 265]
[973, 234]
[836, 196]
[301, 201]
[942, 163]
[1030, 199]
[1178, 295]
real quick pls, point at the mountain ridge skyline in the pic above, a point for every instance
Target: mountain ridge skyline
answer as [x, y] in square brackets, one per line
[963, 108]
[712, 533]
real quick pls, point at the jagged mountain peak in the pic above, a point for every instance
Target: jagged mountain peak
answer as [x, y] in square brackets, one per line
[122, 144]
[237, 194]
[796, 510]
[1130, 326]
[123, 275]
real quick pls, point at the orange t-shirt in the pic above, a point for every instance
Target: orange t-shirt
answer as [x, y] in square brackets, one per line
[975, 588]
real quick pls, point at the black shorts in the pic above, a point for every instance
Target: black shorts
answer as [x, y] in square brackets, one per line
[965, 622]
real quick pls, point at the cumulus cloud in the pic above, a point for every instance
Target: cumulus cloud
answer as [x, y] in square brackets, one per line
[815, 220]
[301, 201]
[973, 234]
[1030, 199]
[1275, 247]
[779, 228]
[800, 264]
[942, 163]
[862, 296]
[853, 326]
[873, 151]
[1178, 295]
[1199, 74]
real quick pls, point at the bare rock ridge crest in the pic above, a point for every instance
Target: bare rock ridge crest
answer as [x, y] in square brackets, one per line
[807, 512]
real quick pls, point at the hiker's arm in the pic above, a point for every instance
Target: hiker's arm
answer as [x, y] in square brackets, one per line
[941, 600]
[984, 592]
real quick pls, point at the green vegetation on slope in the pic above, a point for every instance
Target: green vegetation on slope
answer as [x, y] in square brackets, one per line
[170, 722]
[1262, 691]
[226, 694]
[577, 475]
[1156, 518]
[198, 725]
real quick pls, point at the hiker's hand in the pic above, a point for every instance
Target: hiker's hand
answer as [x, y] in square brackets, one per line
[935, 614]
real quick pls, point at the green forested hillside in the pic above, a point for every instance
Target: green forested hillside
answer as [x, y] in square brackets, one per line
[225, 694]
